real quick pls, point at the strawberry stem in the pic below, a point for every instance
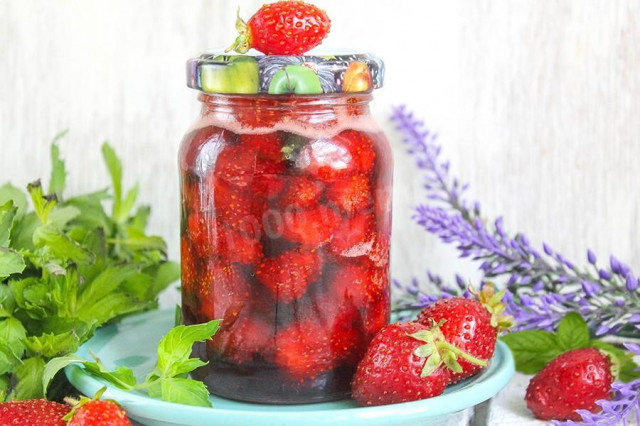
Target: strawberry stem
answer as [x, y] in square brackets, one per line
[466, 356]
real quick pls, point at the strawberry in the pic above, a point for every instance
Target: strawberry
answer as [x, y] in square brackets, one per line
[377, 315]
[189, 265]
[237, 247]
[312, 227]
[33, 412]
[301, 191]
[237, 208]
[200, 228]
[354, 237]
[282, 28]
[223, 292]
[235, 165]
[573, 381]
[288, 275]
[469, 325]
[267, 146]
[357, 283]
[96, 412]
[350, 194]
[405, 362]
[267, 186]
[246, 337]
[348, 153]
[304, 350]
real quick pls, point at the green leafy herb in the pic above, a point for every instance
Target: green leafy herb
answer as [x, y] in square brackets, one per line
[168, 380]
[67, 266]
[532, 350]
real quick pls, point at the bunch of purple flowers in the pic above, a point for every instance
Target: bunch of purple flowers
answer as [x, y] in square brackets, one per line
[543, 284]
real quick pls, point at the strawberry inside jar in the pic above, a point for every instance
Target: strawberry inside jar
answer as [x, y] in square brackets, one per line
[286, 223]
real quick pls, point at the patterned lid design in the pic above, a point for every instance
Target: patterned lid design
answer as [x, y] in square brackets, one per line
[277, 75]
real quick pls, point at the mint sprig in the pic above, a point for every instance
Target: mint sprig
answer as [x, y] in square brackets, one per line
[168, 380]
[68, 266]
[533, 349]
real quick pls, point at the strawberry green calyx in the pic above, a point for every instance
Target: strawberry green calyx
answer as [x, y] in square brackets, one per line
[492, 301]
[76, 404]
[439, 352]
[242, 43]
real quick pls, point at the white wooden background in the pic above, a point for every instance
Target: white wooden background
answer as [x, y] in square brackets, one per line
[537, 104]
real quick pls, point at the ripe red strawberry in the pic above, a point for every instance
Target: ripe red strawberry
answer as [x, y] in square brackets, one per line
[282, 28]
[267, 186]
[188, 263]
[223, 292]
[237, 208]
[304, 350]
[267, 146]
[201, 230]
[312, 227]
[237, 247]
[350, 194]
[469, 325]
[348, 153]
[99, 413]
[235, 165]
[354, 237]
[573, 381]
[404, 362]
[246, 337]
[288, 275]
[301, 191]
[33, 412]
[357, 283]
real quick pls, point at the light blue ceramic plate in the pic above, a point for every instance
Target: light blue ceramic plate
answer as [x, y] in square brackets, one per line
[133, 343]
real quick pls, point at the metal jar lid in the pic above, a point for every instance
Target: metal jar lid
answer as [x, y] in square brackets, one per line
[277, 75]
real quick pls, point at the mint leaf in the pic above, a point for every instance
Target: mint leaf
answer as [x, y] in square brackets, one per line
[185, 391]
[11, 262]
[56, 364]
[114, 166]
[43, 205]
[174, 350]
[60, 245]
[28, 375]
[60, 216]
[532, 350]
[573, 332]
[9, 192]
[57, 182]
[7, 214]
[50, 345]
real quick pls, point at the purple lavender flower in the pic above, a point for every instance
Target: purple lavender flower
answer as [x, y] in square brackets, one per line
[606, 296]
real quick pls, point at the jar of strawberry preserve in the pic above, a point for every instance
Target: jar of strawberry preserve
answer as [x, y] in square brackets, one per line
[286, 220]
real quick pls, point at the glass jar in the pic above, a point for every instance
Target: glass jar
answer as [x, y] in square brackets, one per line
[286, 223]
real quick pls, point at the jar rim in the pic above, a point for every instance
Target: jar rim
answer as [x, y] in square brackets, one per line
[316, 74]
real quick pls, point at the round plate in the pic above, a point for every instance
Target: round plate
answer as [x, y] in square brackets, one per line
[133, 343]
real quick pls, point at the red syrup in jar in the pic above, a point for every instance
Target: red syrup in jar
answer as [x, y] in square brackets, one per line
[285, 234]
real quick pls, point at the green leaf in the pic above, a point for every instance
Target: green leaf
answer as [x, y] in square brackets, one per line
[573, 332]
[174, 350]
[92, 212]
[115, 171]
[185, 391]
[60, 245]
[12, 332]
[22, 232]
[9, 358]
[56, 364]
[107, 282]
[7, 214]
[127, 204]
[57, 182]
[532, 350]
[167, 273]
[29, 379]
[50, 345]
[60, 216]
[122, 377]
[9, 192]
[11, 262]
[41, 203]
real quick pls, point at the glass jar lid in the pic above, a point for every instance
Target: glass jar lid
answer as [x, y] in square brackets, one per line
[217, 72]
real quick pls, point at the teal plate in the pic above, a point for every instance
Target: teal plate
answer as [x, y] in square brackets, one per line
[133, 343]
